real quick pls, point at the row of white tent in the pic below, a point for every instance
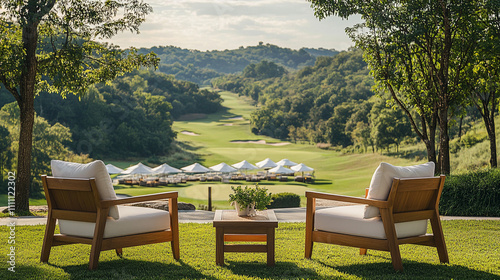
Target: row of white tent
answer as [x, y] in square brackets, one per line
[280, 167]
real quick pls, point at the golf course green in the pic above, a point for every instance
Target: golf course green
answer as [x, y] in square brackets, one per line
[226, 137]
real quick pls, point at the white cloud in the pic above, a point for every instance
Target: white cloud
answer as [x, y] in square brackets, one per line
[228, 24]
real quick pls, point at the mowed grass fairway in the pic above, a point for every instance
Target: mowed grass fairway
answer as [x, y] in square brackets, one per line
[337, 173]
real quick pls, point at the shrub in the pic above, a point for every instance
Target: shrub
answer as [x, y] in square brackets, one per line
[472, 194]
[246, 196]
[324, 146]
[284, 200]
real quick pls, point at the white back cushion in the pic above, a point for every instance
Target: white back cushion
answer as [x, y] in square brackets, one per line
[95, 169]
[381, 183]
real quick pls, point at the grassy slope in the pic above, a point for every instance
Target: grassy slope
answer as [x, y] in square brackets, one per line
[343, 174]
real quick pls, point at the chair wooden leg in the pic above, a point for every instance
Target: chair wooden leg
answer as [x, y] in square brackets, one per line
[119, 252]
[392, 239]
[48, 238]
[174, 227]
[397, 263]
[175, 249]
[95, 251]
[437, 231]
[309, 248]
[311, 206]
[363, 251]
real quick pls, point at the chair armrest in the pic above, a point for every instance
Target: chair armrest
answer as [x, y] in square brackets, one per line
[139, 198]
[343, 198]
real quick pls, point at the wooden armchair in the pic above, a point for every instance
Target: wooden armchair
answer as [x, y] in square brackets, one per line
[403, 220]
[84, 218]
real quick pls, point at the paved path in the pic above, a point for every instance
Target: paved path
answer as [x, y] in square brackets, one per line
[286, 215]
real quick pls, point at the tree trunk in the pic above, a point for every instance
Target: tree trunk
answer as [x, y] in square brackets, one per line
[460, 128]
[24, 158]
[489, 121]
[493, 145]
[431, 149]
[492, 133]
[27, 116]
[442, 80]
[444, 142]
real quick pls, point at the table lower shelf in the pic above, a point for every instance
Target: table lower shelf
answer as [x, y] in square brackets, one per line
[222, 248]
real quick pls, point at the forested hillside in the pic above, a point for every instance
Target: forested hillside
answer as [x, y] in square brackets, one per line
[199, 67]
[130, 117]
[50, 141]
[330, 102]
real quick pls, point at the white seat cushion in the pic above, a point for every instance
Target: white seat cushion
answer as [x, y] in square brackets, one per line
[350, 220]
[95, 169]
[133, 220]
[382, 178]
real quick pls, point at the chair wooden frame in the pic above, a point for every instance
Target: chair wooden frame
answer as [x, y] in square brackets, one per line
[78, 200]
[410, 199]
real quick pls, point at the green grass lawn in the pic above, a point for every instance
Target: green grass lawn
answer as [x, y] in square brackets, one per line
[472, 246]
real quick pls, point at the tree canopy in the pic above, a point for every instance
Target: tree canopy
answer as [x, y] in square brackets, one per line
[419, 52]
[51, 45]
[202, 66]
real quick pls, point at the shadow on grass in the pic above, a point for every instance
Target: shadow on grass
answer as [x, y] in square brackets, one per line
[184, 145]
[412, 270]
[132, 269]
[282, 270]
[321, 182]
[167, 188]
[225, 114]
[416, 155]
[222, 114]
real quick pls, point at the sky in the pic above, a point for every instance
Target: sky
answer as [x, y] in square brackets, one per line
[229, 24]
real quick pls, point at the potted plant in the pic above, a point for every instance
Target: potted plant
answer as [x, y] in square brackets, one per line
[247, 200]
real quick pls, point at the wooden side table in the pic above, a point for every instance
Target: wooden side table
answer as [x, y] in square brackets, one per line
[230, 227]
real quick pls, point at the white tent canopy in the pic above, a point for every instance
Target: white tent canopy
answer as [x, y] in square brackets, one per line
[301, 168]
[223, 167]
[244, 165]
[113, 169]
[281, 170]
[138, 169]
[286, 162]
[165, 169]
[195, 168]
[267, 163]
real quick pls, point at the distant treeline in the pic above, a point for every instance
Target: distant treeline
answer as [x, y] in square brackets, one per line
[200, 67]
[130, 117]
